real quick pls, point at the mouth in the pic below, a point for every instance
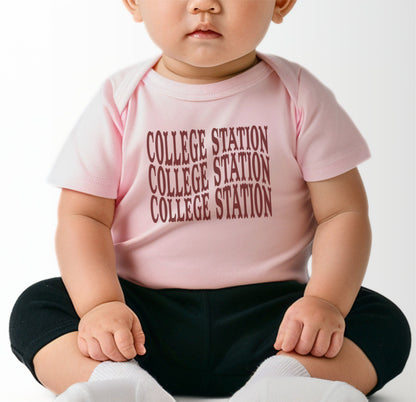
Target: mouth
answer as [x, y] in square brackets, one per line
[205, 31]
[199, 34]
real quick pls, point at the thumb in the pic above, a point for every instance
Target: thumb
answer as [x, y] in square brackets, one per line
[138, 336]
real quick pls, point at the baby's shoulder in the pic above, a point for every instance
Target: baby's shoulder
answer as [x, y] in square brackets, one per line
[299, 82]
[125, 81]
[288, 71]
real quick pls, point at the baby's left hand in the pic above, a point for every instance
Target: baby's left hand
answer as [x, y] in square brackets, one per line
[311, 325]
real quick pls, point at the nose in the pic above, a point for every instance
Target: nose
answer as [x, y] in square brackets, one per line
[199, 6]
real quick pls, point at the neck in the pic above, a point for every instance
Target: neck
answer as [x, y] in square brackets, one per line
[179, 71]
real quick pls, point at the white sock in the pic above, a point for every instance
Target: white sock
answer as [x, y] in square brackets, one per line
[117, 382]
[280, 366]
[110, 370]
[284, 379]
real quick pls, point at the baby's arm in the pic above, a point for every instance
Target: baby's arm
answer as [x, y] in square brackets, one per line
[108, 328]
[315, 323]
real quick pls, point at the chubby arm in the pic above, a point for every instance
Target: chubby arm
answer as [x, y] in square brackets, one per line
[341, 248]
[84, 250]
[108, 329]
[342, 242]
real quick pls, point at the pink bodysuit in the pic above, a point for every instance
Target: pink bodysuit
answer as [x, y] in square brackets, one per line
[210, 180]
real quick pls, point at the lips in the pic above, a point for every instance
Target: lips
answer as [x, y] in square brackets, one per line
[200, 34]
[205, 31]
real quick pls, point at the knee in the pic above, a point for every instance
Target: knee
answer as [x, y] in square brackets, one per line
[34, 302]
[41, 314]
[390, 321]
[381, 330]
[399, 337]
[30, 297]
[23, 304]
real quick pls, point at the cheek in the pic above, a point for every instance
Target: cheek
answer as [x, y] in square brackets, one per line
[250, 26]
[161, 24]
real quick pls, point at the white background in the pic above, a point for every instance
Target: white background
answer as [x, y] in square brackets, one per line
[55, 54]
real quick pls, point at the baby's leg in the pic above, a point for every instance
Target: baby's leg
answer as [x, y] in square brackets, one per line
[282, 378]
[60, 364]
[376, 347]
[351, 365]
[42, 328]
[64, 370]
[43, 334]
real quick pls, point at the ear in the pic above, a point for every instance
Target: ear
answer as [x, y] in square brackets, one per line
[281, 9]
[133, 8]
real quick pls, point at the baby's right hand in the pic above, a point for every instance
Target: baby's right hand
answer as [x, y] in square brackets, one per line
[111, 331]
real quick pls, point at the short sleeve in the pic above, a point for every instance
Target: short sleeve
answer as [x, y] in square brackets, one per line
[90, 160]
[328, 142]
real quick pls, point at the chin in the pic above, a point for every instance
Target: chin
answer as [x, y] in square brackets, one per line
[206, 61]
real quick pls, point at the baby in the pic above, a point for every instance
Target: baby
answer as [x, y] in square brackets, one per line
[195, 188]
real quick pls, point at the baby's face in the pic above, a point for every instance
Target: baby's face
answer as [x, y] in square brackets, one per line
[205, 33]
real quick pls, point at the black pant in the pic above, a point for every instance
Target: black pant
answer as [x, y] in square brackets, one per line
[209, 342]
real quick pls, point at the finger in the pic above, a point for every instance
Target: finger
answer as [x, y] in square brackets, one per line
[94, 350]
[109, 347]
[292, 333]
[138, 336]
[307, 340]
[335, 346]
[125, 343]
[280, 336]
[83, 346]
[321, 344]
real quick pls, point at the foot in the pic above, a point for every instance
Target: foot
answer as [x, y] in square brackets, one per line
[297, 389]
[119, 390]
